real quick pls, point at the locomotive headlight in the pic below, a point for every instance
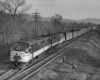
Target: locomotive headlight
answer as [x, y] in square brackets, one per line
[26, 51]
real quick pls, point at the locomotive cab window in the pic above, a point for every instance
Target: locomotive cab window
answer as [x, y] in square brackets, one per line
[32, 48]
[24, 44]
[47, 42]
[37, 46]
[42, 44]
[20, 46]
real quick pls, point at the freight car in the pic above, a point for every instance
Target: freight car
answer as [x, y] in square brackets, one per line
[24, 51]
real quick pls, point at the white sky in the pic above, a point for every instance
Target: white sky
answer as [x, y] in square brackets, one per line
[70, 9]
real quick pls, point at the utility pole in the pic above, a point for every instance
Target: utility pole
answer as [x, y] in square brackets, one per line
[55, 22]
[36, 16]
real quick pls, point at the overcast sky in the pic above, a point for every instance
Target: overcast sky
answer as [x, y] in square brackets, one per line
[70, 9]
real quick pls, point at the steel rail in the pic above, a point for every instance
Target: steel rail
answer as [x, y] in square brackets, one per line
[3, 75]
[35, 66]
[67, 48]
[7, 74]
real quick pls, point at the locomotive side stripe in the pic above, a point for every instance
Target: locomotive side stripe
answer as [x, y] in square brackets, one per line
[41, 51]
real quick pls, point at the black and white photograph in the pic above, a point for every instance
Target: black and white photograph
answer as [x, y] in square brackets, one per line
[49, 39]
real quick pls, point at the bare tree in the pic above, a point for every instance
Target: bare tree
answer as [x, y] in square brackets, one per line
[15, 9]
[56, 20]
[4, 23]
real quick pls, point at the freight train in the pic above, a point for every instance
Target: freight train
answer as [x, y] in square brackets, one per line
[24, 51]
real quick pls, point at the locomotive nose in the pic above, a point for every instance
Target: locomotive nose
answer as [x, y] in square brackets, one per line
[17, 54]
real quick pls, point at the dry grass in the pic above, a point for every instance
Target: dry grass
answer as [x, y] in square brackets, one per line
[85, 56]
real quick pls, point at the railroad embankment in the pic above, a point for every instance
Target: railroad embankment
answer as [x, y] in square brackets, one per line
[85, 56]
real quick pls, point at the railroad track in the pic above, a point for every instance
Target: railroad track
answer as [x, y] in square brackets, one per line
[7, 74]
[27, 73]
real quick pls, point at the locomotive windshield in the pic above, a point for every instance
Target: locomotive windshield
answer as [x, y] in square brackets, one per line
[20, 46]
[24, 44]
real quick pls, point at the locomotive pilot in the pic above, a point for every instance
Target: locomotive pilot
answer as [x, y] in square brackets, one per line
[16, 59]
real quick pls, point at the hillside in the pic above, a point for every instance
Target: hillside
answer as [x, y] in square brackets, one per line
[31, 18]
[86, 57]
[91, 20]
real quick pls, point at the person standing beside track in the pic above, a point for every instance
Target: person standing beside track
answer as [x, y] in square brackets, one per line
[74, 67]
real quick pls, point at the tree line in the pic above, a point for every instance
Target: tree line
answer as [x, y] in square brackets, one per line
[14, 25]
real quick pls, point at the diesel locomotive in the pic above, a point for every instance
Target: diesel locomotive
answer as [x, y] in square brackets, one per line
[25, 51]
